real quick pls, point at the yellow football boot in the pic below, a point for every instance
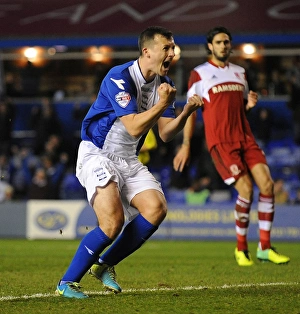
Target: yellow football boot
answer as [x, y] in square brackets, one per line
[270, 255]
[243, 258]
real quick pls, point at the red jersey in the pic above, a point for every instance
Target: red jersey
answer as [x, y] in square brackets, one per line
[223, 91]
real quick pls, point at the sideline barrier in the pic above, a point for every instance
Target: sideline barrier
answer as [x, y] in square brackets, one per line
[216, 222]
[40, 219]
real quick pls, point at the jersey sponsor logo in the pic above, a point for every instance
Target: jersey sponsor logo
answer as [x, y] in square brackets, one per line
[234, 170]
[227, 88]
[123, 99]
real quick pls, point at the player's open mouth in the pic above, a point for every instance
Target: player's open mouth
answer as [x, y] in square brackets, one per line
[166, 64]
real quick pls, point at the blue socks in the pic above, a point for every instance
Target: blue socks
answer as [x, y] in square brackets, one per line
[133, 236]
[87, 253]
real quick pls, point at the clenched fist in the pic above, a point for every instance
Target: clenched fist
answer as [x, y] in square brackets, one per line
[166, 93]
[194, 102]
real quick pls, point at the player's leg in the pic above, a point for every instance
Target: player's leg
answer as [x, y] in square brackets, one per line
[145, 207]
[143, 193]
[244, 187]
[232, 169]
[152, 207]
[109, 211]
[152, 210]
[263, 179]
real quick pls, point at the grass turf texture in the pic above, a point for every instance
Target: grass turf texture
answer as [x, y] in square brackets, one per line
[187, 277]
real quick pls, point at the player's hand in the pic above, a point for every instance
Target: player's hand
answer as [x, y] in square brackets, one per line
[166, 93]
[182, 158]
[194, 102]
[252, 99]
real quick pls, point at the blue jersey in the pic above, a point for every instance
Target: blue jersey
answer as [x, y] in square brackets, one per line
[123, 91]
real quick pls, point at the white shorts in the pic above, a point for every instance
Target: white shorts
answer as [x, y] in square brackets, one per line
[96, 167]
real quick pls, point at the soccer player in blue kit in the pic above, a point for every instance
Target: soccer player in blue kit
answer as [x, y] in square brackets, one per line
[133, 97]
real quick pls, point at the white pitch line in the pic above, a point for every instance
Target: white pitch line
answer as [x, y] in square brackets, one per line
[47, 295]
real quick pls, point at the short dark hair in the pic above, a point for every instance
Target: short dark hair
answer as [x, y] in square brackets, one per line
[150, 32]
[213, 32]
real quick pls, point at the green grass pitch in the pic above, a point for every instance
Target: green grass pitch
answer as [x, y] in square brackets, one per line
[163, 277]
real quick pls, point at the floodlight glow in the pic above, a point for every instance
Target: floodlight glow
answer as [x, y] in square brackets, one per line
[30, 53]
[249, 49]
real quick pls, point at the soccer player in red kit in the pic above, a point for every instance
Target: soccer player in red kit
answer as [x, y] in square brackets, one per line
[236, 155]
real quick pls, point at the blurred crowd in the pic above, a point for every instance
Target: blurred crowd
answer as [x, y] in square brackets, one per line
[46, 168]
[33, 171]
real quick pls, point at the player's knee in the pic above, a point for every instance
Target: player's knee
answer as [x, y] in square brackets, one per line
[246, 190]
[113, 229]
[268, 187]
[112, 225]
[158, 209]
[162, 212]
[155, 212]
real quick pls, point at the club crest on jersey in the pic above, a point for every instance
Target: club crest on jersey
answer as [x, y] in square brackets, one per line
[123, 99]
[234, 170]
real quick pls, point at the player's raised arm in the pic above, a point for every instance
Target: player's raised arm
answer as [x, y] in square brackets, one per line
[140, 123]
[169, 128]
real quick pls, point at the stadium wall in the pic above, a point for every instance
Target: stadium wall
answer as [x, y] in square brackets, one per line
[41, 219]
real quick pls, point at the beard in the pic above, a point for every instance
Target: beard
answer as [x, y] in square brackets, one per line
[222, 58]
